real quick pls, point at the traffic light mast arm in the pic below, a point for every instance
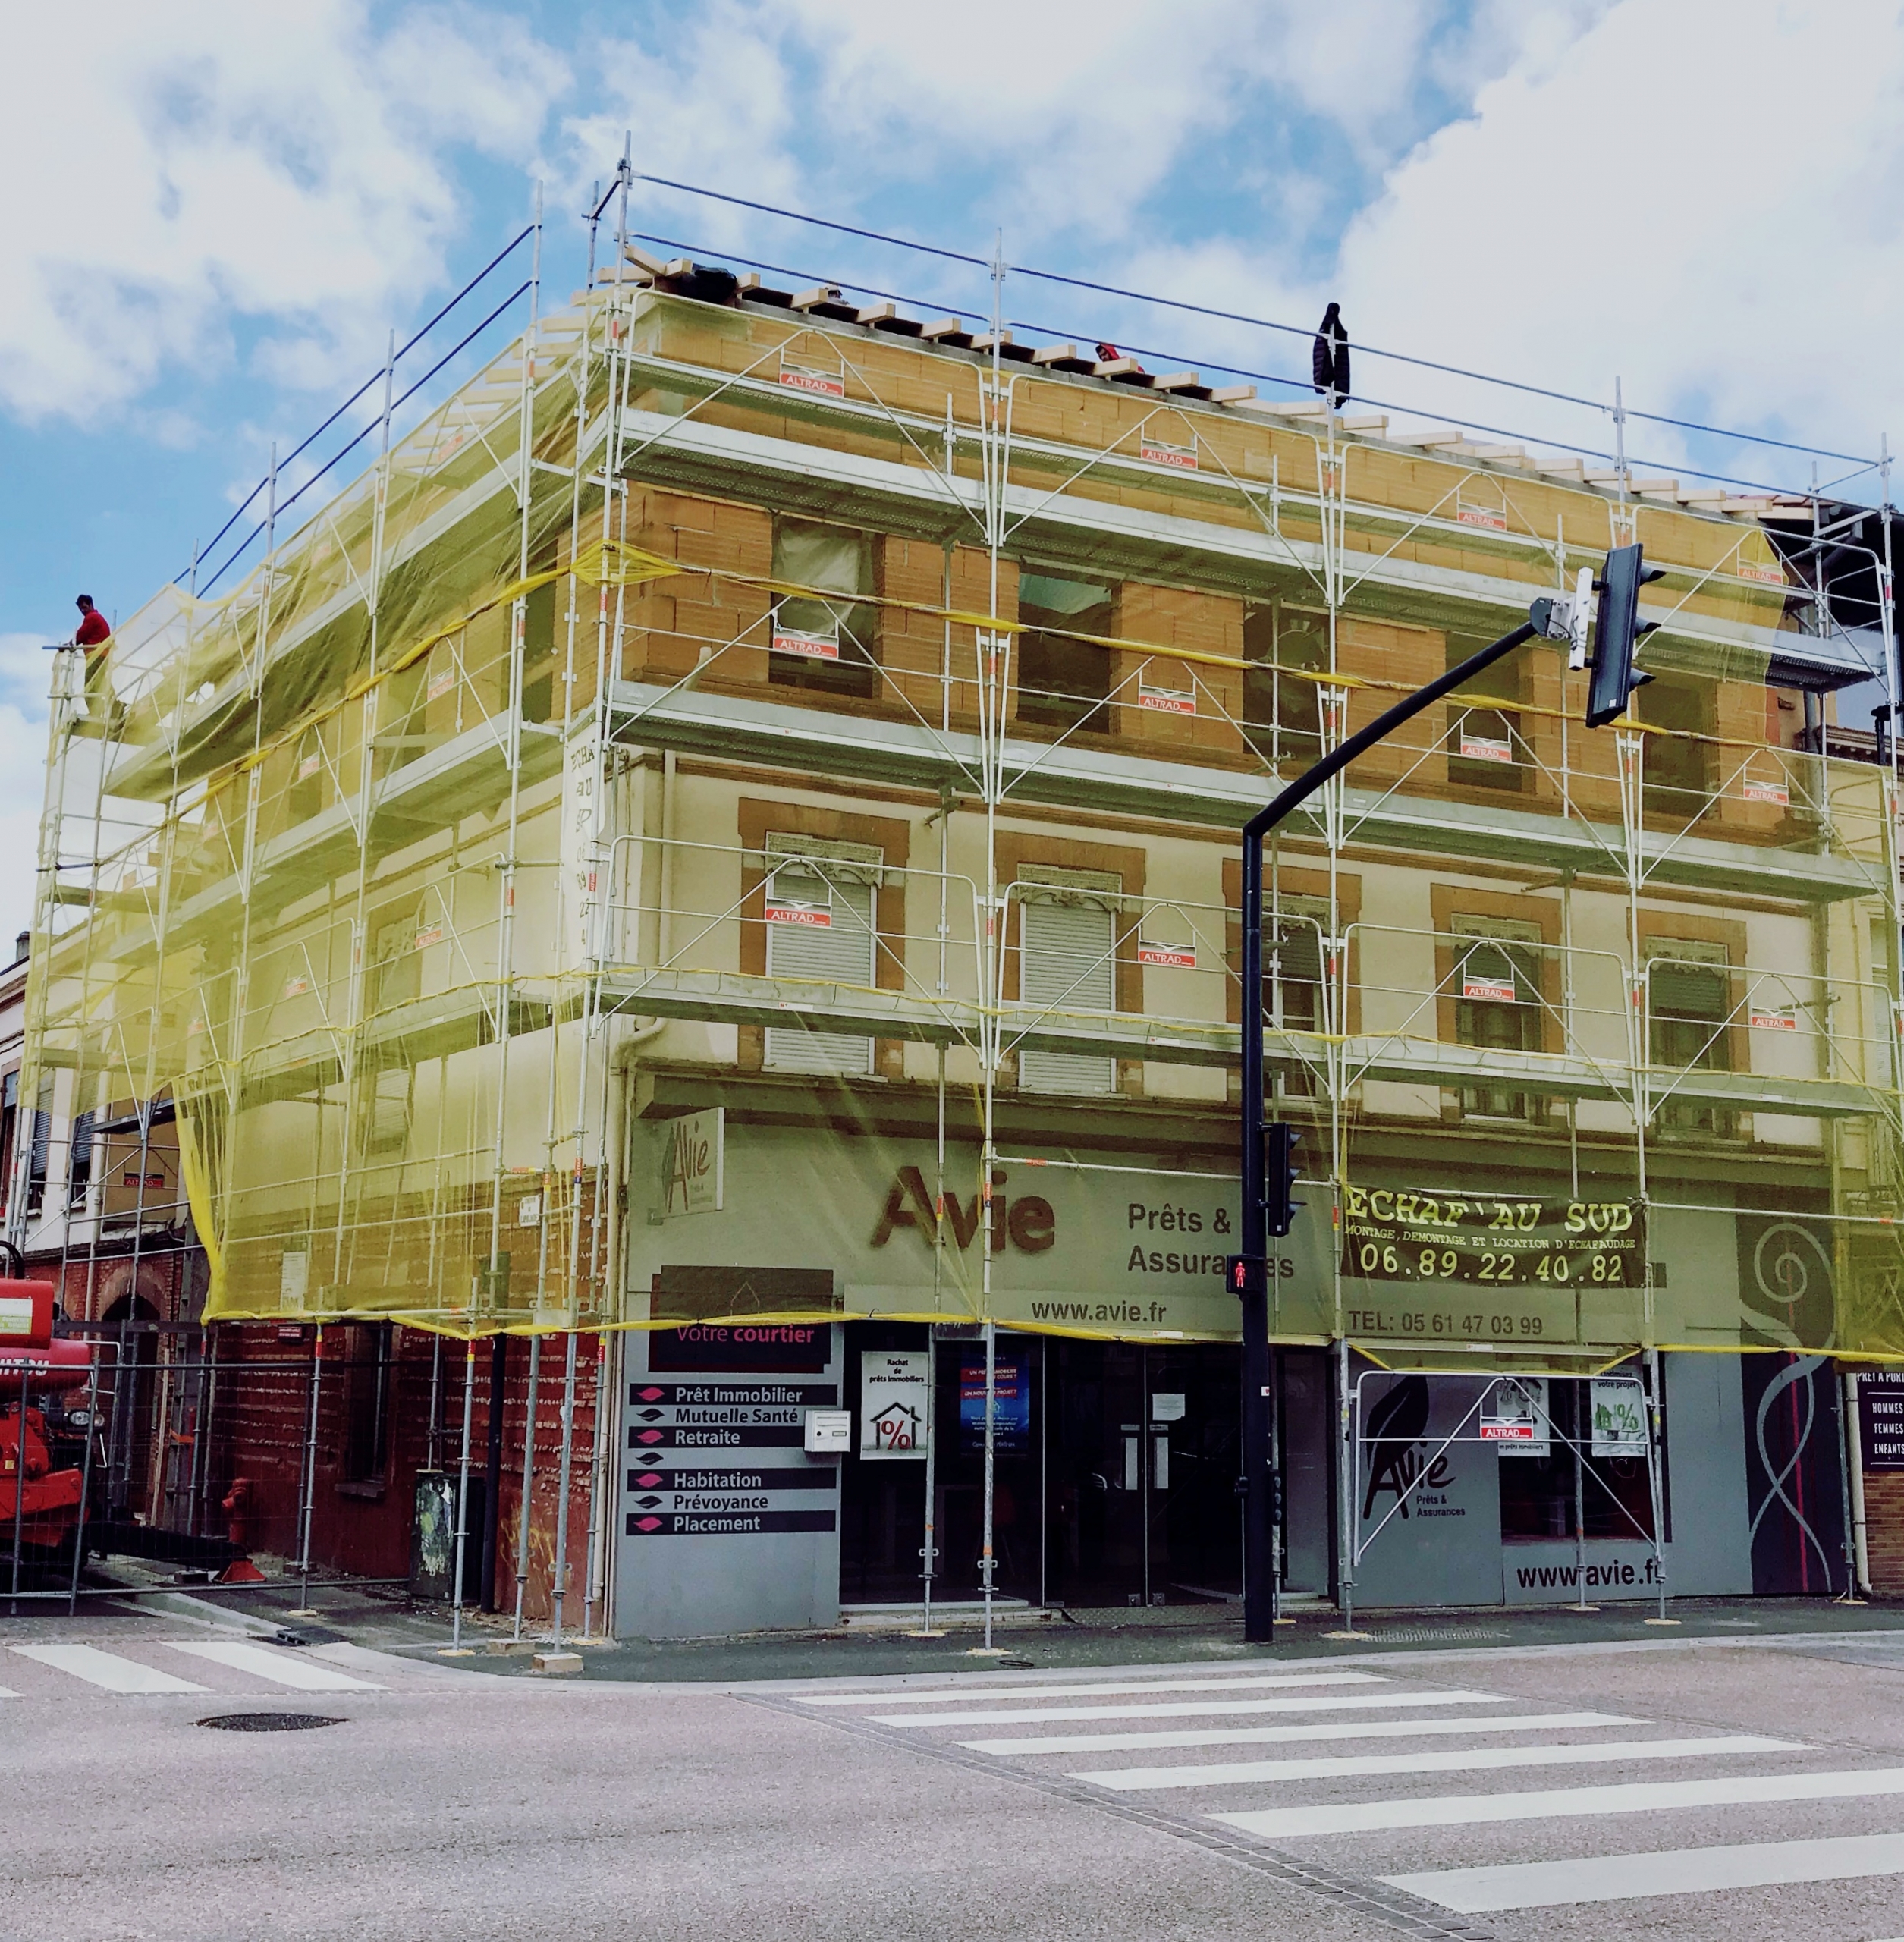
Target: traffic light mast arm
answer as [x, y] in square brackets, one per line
[1539, 621]
[1257, 1480]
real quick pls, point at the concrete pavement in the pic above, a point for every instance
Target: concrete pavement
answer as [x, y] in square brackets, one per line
[1211, 1795]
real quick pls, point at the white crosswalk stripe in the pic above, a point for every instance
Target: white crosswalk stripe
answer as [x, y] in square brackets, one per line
[303, 1675]
[1468, 1810]
[1456, 1731]
[1622, 1877]
[941, 1695]
[1202, 1708]
[1473, 1759]
[1163, 1737]
[256, 1665]
[110, 1671]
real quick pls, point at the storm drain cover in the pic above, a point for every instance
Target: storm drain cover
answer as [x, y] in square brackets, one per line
[268, 1722]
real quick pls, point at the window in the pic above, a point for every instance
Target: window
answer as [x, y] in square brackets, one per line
[1497, 981]
[79, 1164]
[1293, 975]
[822, 927]
[1064, 683]
[42, 1148]
[1484, 748]
[1689, 1002]
[1283, 712]
[826, 643]
[1068, 961]
[364, 1350]
[1676, 780]
[9, 1133]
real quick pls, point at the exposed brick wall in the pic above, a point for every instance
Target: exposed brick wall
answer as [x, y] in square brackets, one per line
[1884, 1529]
[262, 1416]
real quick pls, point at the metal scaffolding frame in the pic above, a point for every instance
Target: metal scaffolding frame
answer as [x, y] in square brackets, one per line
[232, 918]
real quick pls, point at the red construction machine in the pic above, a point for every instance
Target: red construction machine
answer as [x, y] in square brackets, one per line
[40, 1485]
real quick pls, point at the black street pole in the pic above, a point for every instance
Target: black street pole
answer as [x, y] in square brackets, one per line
[1259, 1457]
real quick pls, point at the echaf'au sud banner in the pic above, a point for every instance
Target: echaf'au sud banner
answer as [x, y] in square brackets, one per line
[1527, 1271]
[1590, 1272]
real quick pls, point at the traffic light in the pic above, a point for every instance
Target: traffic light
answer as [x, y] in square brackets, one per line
[1280, 1208]
[1616, 632]
[1245, 1274]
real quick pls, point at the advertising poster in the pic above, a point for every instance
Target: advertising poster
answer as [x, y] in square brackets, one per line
[896, 1405]
[1011, 1418]
[1619, 1419]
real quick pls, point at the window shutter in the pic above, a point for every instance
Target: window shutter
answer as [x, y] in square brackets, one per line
[1689, 991]
[1067, 961]
[838, 952]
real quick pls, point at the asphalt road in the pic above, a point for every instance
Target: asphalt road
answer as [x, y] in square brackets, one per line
[1562, 1791]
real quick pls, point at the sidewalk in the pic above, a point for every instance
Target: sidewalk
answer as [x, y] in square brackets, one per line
[382, 1617]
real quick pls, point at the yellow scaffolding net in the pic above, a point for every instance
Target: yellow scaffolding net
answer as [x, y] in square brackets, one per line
[374, 868]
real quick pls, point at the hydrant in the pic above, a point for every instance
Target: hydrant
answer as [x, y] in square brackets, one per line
[237, 1506]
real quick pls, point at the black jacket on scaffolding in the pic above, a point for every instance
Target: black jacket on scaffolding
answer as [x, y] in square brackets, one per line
[1329, 361]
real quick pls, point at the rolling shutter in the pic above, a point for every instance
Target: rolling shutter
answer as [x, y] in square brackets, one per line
[840, 951]
[1067, 962]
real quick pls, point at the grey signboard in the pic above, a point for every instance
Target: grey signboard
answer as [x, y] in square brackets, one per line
[727, 1523]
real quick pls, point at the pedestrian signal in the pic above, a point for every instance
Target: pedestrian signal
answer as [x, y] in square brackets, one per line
[1245, 1274]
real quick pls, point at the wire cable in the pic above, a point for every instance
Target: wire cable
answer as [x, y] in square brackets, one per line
[1263, 323]
[700, 252]
[369, 384]
[396, 404]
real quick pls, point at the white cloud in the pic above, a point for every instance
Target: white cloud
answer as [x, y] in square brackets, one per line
[1700, 199]
[182, 165]
[25, 670]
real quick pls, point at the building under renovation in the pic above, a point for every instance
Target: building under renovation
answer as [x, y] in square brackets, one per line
[701, 894]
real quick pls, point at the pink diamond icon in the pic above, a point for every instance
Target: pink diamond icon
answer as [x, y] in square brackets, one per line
[648, 1479]
[648, 1523]
[650, 1394]
[649, 1436]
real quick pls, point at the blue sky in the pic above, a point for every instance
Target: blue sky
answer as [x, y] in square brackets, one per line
[1701, 199]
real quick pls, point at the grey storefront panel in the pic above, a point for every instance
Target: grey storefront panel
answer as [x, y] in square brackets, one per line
[726, 1524]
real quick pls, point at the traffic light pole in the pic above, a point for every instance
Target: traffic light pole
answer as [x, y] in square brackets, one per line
[1259, 1456]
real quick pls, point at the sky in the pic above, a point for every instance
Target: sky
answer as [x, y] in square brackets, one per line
[222, 211]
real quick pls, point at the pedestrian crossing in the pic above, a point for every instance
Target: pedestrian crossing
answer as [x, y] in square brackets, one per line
[1355, 1780]
[233, 1668]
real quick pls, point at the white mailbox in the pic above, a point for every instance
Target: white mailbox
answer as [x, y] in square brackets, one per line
[829, 1432]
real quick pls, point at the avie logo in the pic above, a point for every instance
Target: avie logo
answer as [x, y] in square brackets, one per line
[1398, 1462]
[692, 1163]
[1027, 1221]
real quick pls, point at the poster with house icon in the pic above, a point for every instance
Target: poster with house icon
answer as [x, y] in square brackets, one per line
[895, 1404]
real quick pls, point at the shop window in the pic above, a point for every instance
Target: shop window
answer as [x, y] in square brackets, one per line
[1537, 1494]
[79, 1164]
[1689, 1006]
[1485, 750]
[364, 1351]
[1282, 711]
[1677, 777]
[1067, 926]
[1063, 682]
[1496, 981]
[821, 928]
[828, 641]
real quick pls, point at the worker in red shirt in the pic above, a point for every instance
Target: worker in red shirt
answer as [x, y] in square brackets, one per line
[92, 634]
